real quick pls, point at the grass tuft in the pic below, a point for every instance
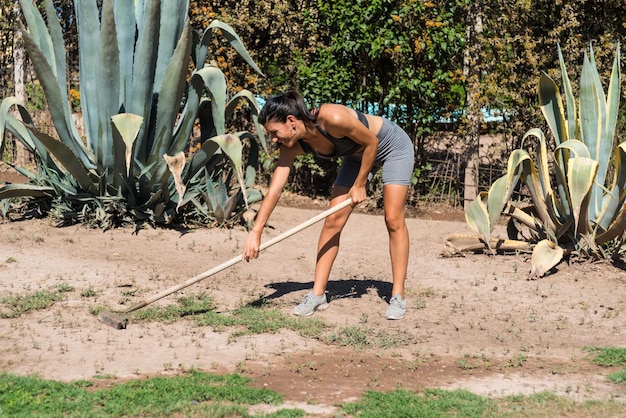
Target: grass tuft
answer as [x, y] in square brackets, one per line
[257, 320]
[608, 356]
[262, 318]
[195, 304]
[18, 305]
[363, 337]
[618, 377]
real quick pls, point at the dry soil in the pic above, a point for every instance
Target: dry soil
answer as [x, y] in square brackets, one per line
[473, 322]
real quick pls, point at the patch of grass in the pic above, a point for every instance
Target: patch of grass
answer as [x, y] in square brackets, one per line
[461, 403]
[88, 292]
[608, 356]
[258, 320]
[191, 305]
[362, 337]
[65, 288]
[430, 403]
[42, 299]
[618, 377]
[547, 404]
[517, 361]
[261, 318]
[193, 394]
[251, 319]
[469, 362]
[351, 336]
[96, 309]
[200, 394]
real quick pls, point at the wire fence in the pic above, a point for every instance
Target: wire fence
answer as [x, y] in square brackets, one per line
[445, 181]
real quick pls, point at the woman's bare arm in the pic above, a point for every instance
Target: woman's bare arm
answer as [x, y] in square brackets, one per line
[277, 183]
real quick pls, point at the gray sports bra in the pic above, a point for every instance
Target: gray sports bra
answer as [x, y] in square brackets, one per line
[343, 146]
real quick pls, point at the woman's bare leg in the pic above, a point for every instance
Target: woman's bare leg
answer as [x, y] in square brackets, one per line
[394, 197]
[328, 245]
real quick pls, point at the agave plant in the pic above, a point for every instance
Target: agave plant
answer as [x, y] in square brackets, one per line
[139, 104]
[577, 196]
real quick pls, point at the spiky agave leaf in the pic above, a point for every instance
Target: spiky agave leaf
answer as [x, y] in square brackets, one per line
[477, 217]
[170, 96]
[611, 222]
[8, 122]
[232, 147]
[580, 181]
[546, 255]
[202, 44]
[68, 159]
[176, 164]
[8, 191]
[45, 65]
[126, 127]
[247, 97]
[552, 107]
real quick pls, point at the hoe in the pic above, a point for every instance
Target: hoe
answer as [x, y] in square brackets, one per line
[119, 320]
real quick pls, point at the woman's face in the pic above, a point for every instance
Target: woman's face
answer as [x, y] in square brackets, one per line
[283, 133]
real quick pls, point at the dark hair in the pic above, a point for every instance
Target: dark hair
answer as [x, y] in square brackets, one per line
[277, 108]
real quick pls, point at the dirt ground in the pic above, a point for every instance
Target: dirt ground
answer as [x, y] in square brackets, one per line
[473, 322]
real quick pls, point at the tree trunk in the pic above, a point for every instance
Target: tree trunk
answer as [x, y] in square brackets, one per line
[19, 64]
[471, 70]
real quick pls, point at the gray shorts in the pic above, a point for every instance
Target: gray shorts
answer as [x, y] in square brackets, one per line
[395, 155]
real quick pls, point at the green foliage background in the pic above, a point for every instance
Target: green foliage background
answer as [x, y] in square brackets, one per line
[408, 60]
[405, 59]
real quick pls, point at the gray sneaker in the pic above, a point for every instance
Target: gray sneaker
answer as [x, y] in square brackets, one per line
[311, 304]
[397, 308]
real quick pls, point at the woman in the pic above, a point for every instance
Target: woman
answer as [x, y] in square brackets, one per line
[366, 143]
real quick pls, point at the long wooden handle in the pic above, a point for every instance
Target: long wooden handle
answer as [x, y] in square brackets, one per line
[238, 258]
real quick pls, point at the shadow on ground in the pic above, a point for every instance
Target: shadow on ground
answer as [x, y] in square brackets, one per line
[336, 289]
